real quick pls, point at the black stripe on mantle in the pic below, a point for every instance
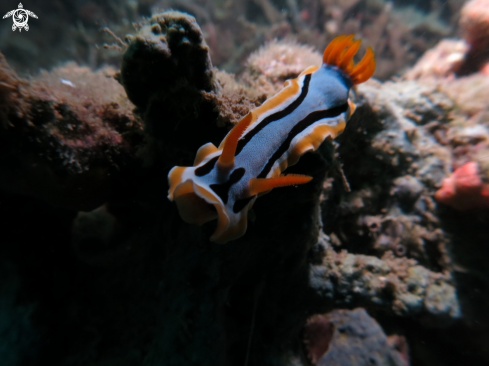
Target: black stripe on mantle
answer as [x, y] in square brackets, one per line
[309, 120]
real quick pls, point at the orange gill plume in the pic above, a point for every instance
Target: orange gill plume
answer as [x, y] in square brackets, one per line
[340, 53]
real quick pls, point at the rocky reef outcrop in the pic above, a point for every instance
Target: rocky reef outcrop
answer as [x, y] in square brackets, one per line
[64, 131]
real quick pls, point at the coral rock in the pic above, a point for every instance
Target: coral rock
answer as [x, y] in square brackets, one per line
[464, 189]
[397, 285]
[68, 130]
[168, 53]
[318, 334]
[277, 61]
[442, 60]
[358, 340]
[474, 22]
[165, 70]
[9, 90]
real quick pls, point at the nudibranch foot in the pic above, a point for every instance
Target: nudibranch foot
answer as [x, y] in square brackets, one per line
[226, 180]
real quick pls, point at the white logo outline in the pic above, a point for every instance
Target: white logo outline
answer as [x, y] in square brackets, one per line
[20, 17]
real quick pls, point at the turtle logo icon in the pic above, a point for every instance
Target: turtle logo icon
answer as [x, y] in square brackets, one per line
[20, 17]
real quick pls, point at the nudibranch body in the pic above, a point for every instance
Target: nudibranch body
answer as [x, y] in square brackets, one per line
[226, 180]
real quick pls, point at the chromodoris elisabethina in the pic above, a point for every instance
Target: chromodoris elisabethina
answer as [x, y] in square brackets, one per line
[226, 180]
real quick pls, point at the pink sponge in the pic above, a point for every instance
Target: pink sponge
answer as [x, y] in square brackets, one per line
[464, 189]
[474, 23]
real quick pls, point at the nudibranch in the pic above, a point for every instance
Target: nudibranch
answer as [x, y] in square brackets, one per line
[226, 180]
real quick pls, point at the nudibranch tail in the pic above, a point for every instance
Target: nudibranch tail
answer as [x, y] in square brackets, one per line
[340, 53]
[260, 185]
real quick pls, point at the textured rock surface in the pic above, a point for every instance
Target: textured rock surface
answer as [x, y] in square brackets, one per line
[393, 165]
[168, 56]
[358, 340]
[396, 284]
[64, 131]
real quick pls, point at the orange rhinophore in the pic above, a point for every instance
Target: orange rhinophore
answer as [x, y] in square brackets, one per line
[231, 142]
